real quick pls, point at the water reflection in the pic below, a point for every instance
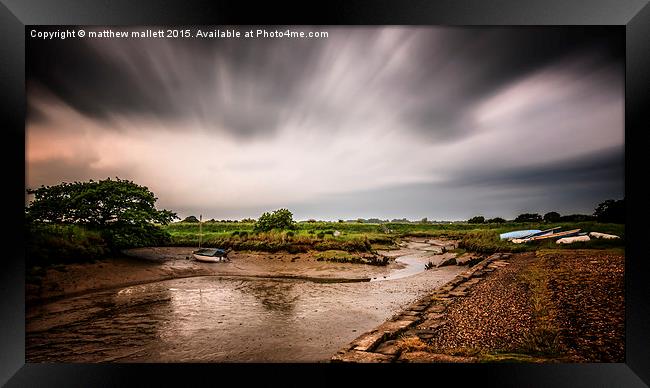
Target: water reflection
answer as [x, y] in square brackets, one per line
[278, 295]
[414, 264]
[219, 319]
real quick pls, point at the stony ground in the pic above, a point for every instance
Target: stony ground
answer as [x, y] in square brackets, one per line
[588, 290]
[564, 306]
[547, 306]
[497, 315]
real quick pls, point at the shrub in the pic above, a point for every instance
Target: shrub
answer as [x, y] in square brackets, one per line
[123, 235]
[55, 244]
[496, 220]
[279, 219]
[190, 219]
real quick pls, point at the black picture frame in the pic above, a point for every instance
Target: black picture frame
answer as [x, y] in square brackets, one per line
[632, 15]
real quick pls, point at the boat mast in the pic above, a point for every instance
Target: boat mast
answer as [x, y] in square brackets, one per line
[200, 229]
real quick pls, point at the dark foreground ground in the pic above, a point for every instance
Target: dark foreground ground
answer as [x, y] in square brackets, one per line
[548, 306]
[545, 306]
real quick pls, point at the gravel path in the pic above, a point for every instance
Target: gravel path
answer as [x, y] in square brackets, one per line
[496, 316]
[581, 299]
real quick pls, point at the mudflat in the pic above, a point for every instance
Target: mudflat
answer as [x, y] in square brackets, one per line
[259, 307]
[144, 265]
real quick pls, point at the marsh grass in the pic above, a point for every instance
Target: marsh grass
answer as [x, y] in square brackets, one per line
[71, 243]
[365, 237]
[56, 244]
[346, 257]
[411, 344]
[544, 339]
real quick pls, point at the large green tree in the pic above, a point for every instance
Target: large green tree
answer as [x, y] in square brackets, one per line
[123, 211]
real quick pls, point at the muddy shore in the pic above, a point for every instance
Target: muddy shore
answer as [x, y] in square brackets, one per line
[145, 265]
[257, 308]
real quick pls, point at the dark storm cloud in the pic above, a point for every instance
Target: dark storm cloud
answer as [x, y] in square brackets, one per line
[244, 86]
[253, 87]
[482, 60]
[89, 82]
[388, 122]
[569, 186]
[603, 166]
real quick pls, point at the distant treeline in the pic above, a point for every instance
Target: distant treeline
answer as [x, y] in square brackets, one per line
[612, 211]
[194, 219]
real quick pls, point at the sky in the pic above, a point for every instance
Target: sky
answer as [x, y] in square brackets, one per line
[388, 122]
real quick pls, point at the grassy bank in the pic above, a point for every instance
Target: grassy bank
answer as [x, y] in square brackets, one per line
[309, 236]
[47, 244]
[346, 257]
[365, 237]
[56, 244]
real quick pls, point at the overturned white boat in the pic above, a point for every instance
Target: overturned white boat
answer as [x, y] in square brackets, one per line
[603, 235]
[547, 234]
[571, 240]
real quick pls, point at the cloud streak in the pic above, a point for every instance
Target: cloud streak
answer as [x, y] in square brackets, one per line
[376, 117]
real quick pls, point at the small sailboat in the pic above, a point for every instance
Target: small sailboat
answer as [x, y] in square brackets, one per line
[208, 255]
[211, 255]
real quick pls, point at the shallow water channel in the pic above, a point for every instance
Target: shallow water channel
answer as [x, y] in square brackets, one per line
[223, 318]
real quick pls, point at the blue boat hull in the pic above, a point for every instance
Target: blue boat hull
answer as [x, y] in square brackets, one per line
[518, 234]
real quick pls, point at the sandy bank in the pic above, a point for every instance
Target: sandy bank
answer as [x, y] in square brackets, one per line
[144, 265]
